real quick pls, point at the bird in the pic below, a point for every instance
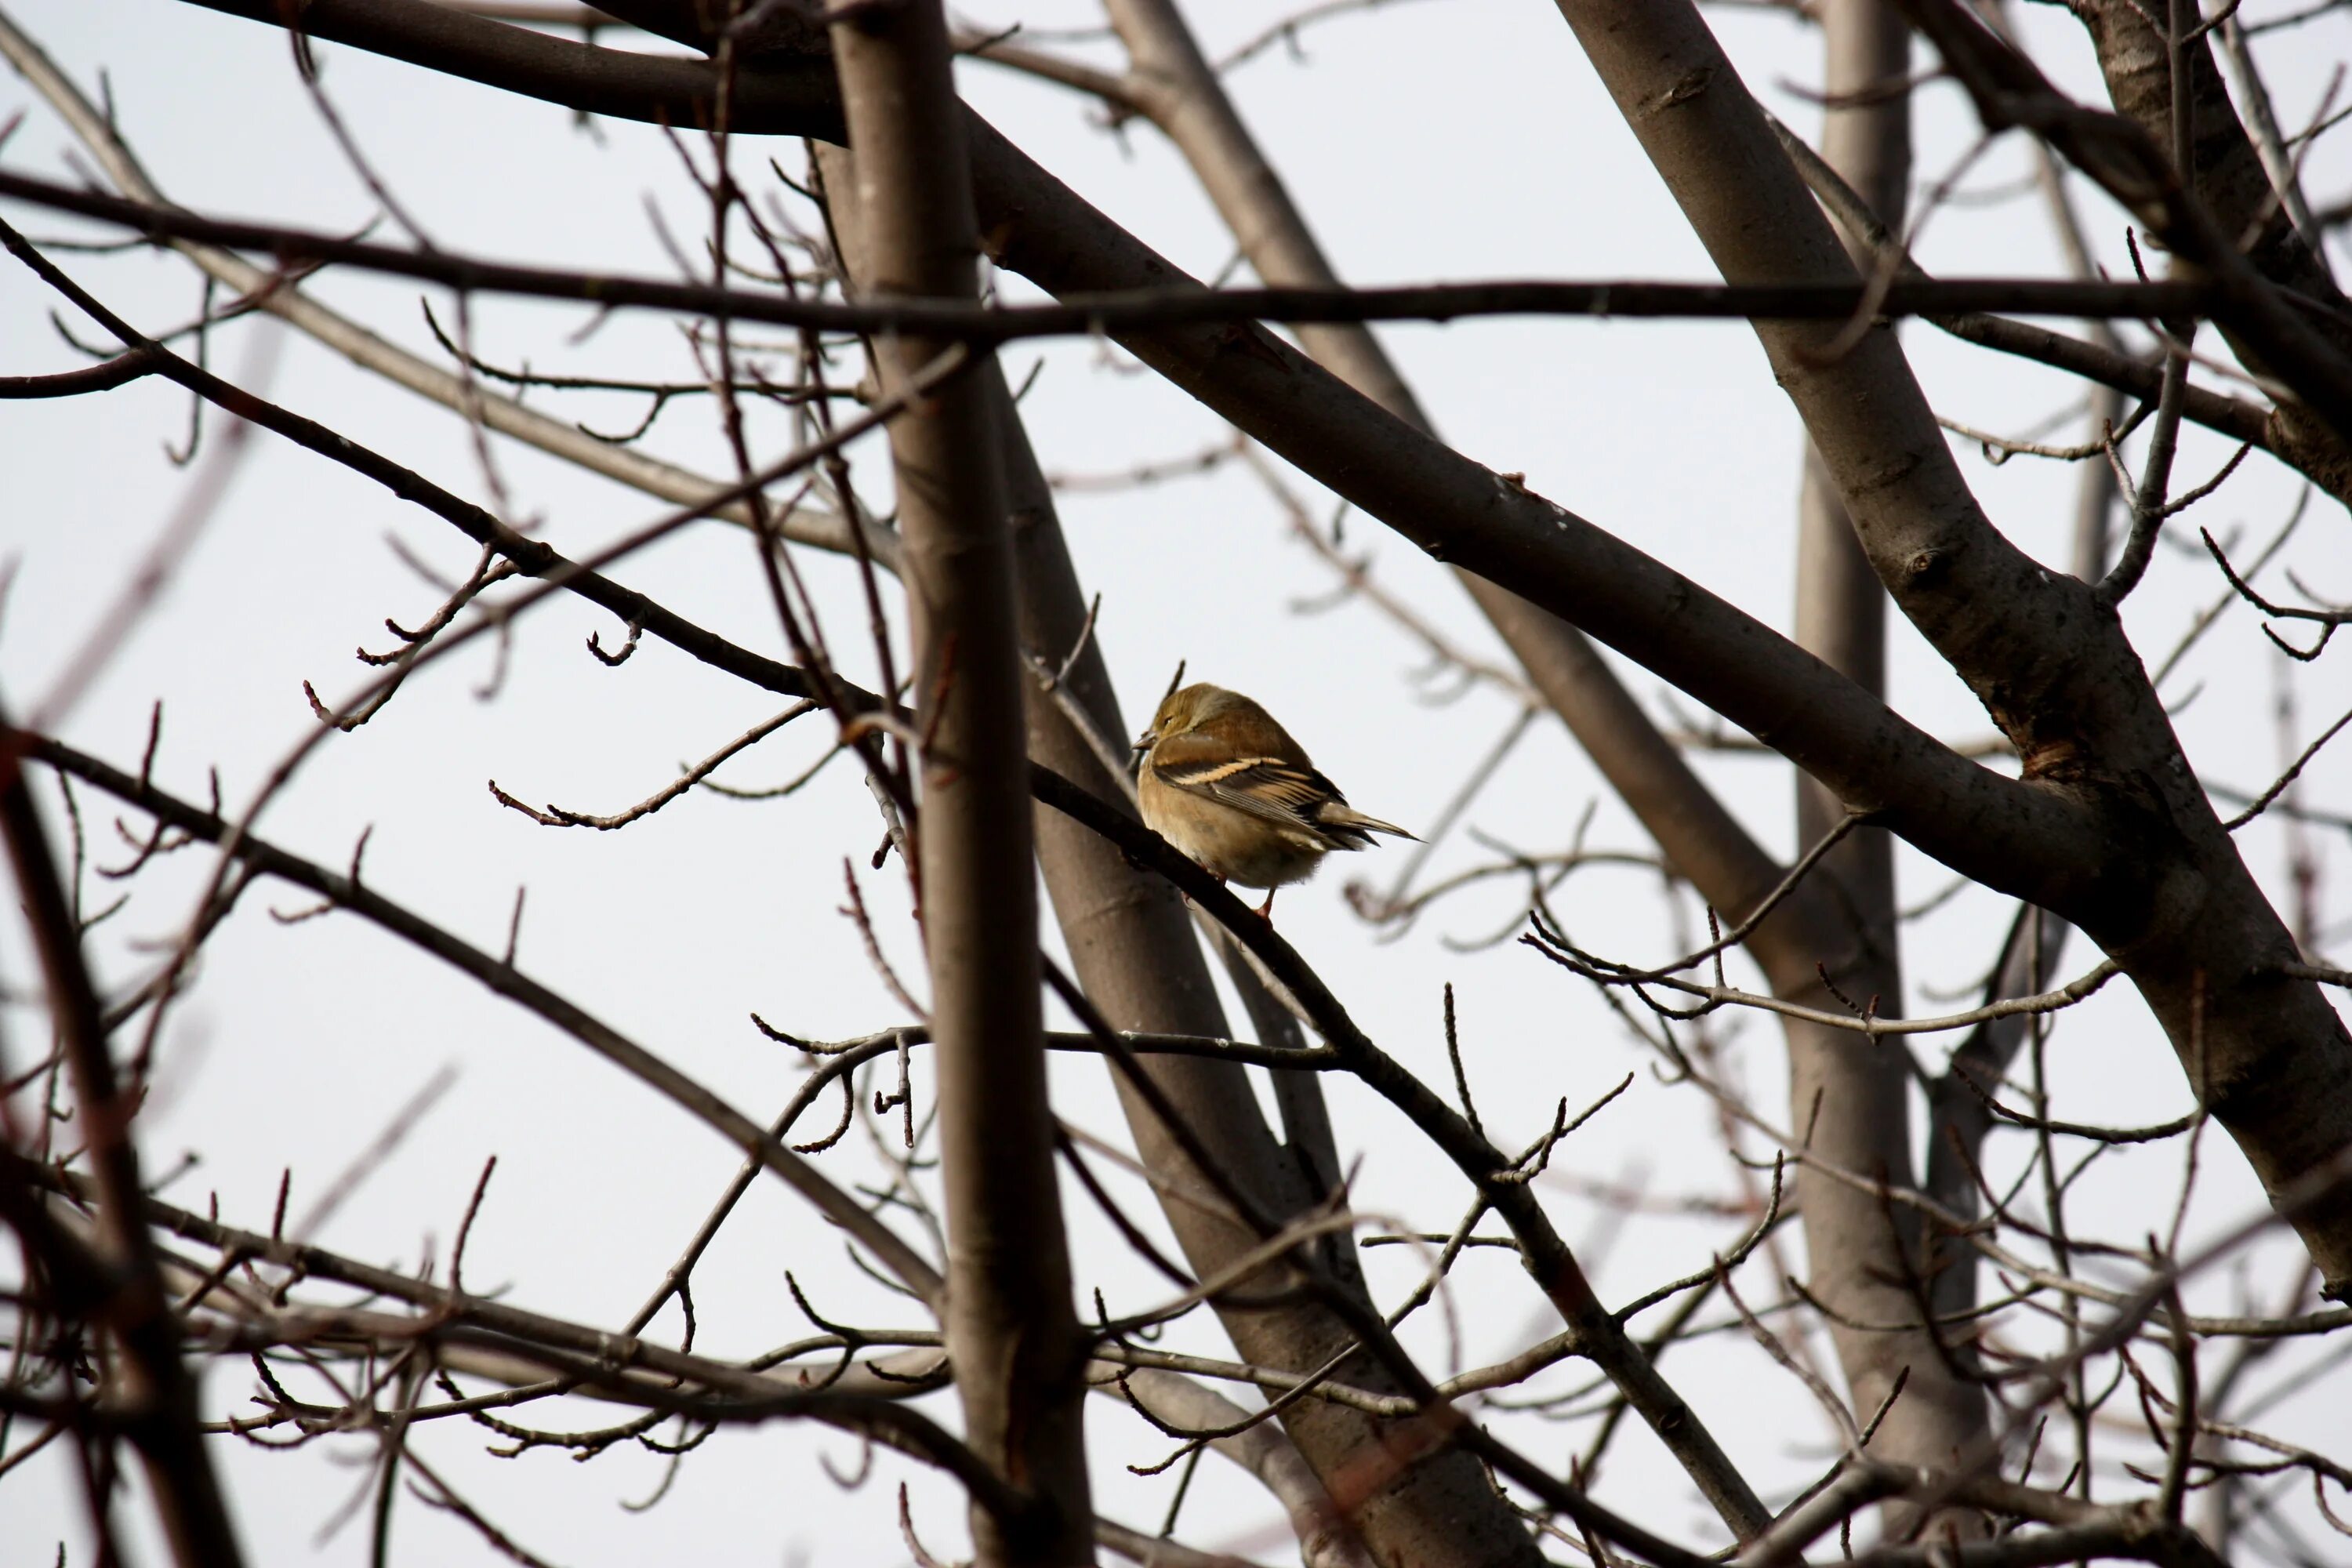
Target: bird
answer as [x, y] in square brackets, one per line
[1220, 780]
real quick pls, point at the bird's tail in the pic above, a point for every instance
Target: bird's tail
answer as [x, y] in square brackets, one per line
[1345, 821]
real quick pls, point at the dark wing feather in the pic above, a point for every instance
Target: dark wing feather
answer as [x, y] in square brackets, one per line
[1279, 791]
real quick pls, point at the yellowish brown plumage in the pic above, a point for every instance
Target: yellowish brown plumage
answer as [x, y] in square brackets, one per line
[1226, 785]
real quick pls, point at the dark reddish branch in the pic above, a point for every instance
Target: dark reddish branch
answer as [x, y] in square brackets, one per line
[121, 1293]
[1011, 1327]
[2238, 419]
[103, 376]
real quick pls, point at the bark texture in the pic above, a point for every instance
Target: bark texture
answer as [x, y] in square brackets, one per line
[1012, 1333]
[1863, 1256]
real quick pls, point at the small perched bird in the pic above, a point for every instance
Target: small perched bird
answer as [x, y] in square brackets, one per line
[1223, 781]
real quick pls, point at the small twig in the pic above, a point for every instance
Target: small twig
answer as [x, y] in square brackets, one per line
[2262, 801]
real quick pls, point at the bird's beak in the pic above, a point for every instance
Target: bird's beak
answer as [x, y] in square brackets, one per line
[1143, 743]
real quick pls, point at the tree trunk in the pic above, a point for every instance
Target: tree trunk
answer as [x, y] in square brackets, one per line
[1011, 1330]
[1852, 1094]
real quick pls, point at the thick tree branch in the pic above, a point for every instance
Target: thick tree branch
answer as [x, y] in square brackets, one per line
[2283, 336]
[1011, 1330]
[1853, 1096]
[2233, 180]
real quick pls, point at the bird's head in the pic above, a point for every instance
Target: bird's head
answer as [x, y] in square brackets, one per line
[1185, 708]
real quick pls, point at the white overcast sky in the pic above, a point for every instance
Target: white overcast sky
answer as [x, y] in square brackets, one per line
[1445, 139]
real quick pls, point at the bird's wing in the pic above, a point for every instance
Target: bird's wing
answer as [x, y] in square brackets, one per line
[1287, 793]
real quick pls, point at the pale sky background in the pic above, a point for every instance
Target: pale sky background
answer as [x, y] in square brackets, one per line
[1447, 139]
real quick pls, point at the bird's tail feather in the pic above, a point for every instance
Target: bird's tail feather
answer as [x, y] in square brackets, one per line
[1345, 819]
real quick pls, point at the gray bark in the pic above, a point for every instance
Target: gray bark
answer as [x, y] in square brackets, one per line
[1012, 1332]
[1852, 1094]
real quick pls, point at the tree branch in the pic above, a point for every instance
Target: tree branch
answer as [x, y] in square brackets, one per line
[1127, 311]
[1011, 1327]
